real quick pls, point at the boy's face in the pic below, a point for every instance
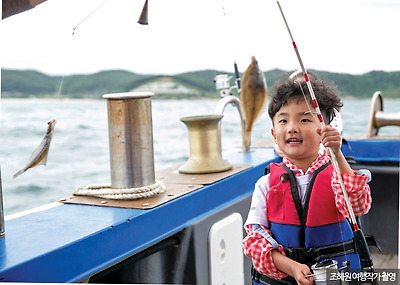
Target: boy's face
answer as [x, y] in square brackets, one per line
[294, 130]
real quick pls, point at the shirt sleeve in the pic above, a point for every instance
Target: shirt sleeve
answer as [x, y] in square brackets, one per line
[357, 189]
[259, 250]
[257, 212]
[255, 245]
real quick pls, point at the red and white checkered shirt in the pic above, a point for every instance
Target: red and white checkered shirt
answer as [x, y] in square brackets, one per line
[259, 249]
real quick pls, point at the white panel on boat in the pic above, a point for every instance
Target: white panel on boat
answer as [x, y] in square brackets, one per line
[225, 251]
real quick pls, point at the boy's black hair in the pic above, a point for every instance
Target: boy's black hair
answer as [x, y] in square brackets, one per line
[327, 97]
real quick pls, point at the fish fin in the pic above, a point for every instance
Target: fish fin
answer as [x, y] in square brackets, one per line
[41, 162]
[44, 144]
[44, 159]
[39, 155]
[39, 148]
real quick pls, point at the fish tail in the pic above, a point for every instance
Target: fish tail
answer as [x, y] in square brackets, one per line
[247, 137]
[19, 173]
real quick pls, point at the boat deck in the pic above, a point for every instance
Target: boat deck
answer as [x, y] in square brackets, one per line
[385, 260]
[70, 243]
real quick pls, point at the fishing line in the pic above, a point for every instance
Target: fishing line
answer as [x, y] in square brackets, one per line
[305, 98]
[61, 85]
[73, 33]
[90, 14]
[236, 71]
[226, 24]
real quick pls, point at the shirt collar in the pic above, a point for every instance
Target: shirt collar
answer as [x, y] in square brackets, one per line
[321, 160]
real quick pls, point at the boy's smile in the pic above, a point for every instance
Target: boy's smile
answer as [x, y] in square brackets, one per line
[294, 130]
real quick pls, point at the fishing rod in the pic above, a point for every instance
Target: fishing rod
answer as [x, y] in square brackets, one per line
[359, 238]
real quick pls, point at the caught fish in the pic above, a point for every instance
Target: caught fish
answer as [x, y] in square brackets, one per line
[253, 96]
[39, 156]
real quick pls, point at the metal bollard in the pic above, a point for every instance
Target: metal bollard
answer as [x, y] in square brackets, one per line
[131, 139]
[205, 146]
[2, 227]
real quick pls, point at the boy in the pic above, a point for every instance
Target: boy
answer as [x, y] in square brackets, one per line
[298, 214]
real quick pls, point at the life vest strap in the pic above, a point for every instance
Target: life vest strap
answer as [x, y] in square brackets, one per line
[266, 280]
[315, 254]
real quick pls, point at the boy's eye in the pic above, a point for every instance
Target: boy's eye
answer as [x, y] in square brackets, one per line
[282, 121]
[305, 120]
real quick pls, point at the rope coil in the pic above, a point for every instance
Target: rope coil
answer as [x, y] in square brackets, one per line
[107, 192]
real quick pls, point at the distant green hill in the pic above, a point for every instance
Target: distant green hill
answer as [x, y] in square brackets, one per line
[28, 83]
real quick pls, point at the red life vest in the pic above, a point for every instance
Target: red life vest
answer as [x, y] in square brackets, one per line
[318, 224]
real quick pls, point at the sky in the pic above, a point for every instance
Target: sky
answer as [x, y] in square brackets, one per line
[184, 35]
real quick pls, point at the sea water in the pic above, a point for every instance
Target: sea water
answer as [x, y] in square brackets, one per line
[79, 151]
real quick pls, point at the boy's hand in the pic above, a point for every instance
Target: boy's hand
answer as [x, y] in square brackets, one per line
[295, 269]
[330, 137]
[299, 272]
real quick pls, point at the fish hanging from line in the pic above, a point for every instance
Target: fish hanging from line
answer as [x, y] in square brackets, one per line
[39, 156]
[253, 96]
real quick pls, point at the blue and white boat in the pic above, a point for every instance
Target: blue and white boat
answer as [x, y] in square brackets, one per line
[190, 232]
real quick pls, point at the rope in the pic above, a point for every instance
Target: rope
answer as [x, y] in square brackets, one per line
[106, 192]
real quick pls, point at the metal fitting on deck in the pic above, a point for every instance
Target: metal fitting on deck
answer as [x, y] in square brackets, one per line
[205, 146]
[131, 139]
[377, 118]
[219, 109]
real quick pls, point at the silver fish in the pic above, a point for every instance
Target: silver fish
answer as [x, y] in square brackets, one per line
[39, 156]
[253, 96]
